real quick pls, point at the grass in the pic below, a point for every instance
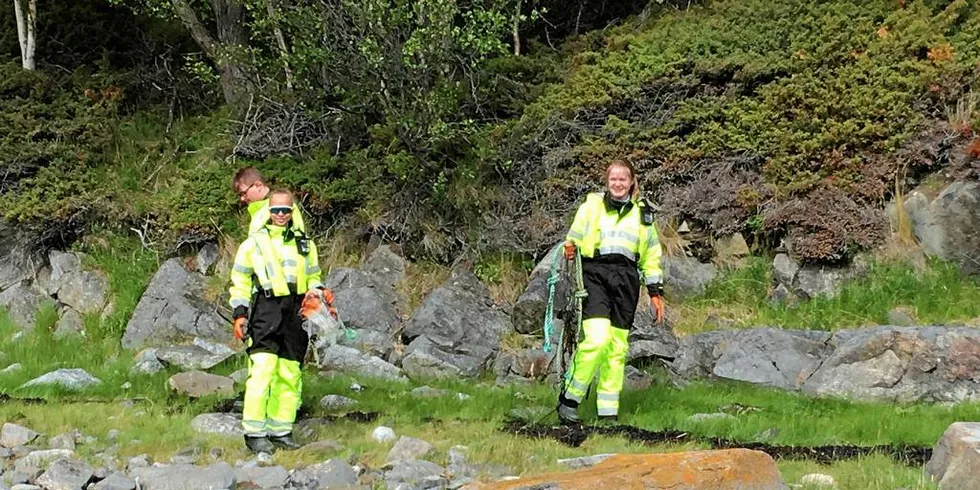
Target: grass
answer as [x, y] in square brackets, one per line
[938, 294]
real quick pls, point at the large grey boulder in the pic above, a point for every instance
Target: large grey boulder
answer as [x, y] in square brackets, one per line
[955, 460]
[172, 310]
[364, 301]
[70, 322]
[649, 340]
[12, 435]
[222, 424]
[386, 265]
[183, 476]
[768, 356]
[20, 257]
[72, 379]
[415, 474]
[456, 330]
[813, 281]
[949, 227]
[261, 477]
[375, 343]
[528, 312]
[41, 460]
[408, 448]
[66, 474]
[903, 364]
[22, 304]
[526, 364]
[349, 360]
[84, 291]
[685, 276]
[116, 481]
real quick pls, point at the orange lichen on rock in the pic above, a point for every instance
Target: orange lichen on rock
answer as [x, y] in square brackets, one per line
[733, 469]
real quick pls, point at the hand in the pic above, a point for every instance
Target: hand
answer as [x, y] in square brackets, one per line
[658, 307]
[333, 312]
[311, 294]
[328, 296]
[569, 250]
[240, 328]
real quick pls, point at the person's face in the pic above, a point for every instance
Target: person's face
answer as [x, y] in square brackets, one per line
[619, 182]
[251, 193]
[280, 209]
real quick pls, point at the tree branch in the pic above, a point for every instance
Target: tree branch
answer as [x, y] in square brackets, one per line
[193, 24]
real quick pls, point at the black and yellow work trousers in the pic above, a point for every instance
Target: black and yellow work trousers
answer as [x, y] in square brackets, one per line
[277, 346]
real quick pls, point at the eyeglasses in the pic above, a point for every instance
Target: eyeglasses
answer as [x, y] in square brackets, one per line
[281, 210]
[245, 191]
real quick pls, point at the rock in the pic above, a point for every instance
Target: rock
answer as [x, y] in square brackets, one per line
[428, 392]
[206, 257]
[12, 435]
[84, 291]
[741, 469]
[331, 474]
[408, 448]
[460, 313]
[22, 304]
[191, 357]
[337, 402]
[636, 380]
[24, 486]
[901, 316]
[13, 368]
[69, 323]
[765, 356]
[141, 461]
[364, 301]
[525, 364]
[116, 481]
[383, 434]
[146, 362]
[731, 250]
[182, 476]
[66, 474]
[782, 295]
[818, 480]
[901, 364]
[370, 342]
[63, 441]
[17, 477]
[41, 459]
[956, 457]
[239, 376]
[528, 312]
[647, 339]
[112, 436]
[386, 265]
[72, 379]
[172, 310]
[948, 227]
[413, 473]
[261, 477]
[784, 269]
[710, 417]
[819, 281]
[685, 277]
[439, 357]
[223, 424]
[198, 383]
[584, 462]
[20, 256]
[188, 455]
[349, 360]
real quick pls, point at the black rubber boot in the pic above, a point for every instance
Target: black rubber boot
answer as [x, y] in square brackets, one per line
[568, 410]
[259, 445]
[284, 442]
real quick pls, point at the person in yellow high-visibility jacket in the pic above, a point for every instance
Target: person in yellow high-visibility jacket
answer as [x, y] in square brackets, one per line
[275, 268]
[253, 191]
[617, 238]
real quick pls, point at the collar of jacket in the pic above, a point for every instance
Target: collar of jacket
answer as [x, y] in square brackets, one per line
[256, 205]
[622, 207]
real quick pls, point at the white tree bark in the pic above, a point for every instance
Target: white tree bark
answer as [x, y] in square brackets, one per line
[26, 30]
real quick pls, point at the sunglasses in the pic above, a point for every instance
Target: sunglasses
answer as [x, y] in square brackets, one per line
[245, 190]
[280, 210]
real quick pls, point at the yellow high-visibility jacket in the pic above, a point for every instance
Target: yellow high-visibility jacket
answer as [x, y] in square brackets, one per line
[270, 263]
[600, 230]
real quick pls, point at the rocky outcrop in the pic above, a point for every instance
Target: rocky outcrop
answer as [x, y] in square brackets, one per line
[173, 310]
[456, 331]
[949, 225]
[685, 276]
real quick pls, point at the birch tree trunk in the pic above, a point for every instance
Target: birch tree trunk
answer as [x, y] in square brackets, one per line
[26, 30]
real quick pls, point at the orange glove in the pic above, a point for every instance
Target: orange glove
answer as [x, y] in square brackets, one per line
[240, 328]
[310, 304]
[658, 306]
[328, 296]
[569, 250]
[333, 312]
